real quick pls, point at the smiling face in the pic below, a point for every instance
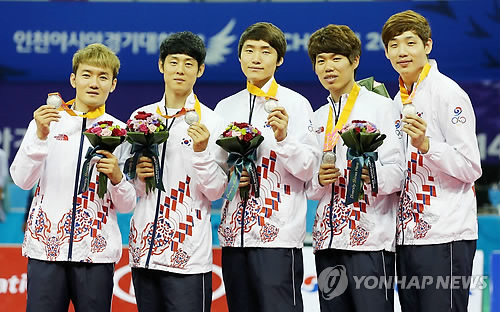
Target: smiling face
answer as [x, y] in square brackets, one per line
[180, 72]
[335, 73]
[259, 61]
[408, 55]
[93, 85]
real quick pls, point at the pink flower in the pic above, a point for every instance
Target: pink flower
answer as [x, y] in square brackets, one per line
[370, 128]
[143, 128]
[96, 130]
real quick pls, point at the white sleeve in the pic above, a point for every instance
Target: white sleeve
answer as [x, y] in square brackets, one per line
[390, 166]
[211, 177]
[123, 194]
[314, 190]
[28, 164]
[299, 150]
[209, 165]
[458, 155]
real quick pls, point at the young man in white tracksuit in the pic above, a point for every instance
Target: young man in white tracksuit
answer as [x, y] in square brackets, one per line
[437, 218]
[170, 242]
[262, 251]
[358, 237]
[72, 240]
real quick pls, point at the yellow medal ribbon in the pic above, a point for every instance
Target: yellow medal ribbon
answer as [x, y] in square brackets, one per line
[90, 115]
[406, 97]
[65, 106]
[271, 94]
[183, 111]
[332, 134]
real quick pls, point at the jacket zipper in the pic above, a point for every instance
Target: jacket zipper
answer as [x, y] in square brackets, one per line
[157, 205]
[243, 209]
[332, 199]
[75, 192]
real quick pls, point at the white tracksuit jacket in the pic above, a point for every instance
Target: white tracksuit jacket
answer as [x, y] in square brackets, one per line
[183, 232]
[58, 230]
[369, 224]
[439, 203]
[278, 217]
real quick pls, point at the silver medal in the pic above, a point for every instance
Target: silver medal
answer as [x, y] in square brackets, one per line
[269, 105]
[191, 117]
[329, 158]
[54, 100]
[409, 109]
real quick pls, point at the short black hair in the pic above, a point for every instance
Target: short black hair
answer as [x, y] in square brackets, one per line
[184, 42]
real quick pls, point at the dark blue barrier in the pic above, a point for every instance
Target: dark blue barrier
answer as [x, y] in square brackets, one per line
[39, 38]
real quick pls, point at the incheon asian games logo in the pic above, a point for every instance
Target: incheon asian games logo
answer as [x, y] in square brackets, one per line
[457, 119]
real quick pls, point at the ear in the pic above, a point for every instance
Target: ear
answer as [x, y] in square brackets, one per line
[355, 63]
[386, 53]
[201, 70]
[113, 85]
[428, 46]
[160, 66]
[281, 60]
[72, 79]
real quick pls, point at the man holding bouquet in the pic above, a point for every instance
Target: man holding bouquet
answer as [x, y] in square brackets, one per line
[437, 218]
[262, 235]
[170, 232]
[72, 240]
[356, 237]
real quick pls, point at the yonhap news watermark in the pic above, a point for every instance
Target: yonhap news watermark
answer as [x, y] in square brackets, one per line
[333, 282]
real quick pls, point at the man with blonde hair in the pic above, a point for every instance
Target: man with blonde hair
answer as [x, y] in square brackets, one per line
[72, 240]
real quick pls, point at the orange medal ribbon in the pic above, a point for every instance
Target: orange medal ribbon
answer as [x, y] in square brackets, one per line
[183, 111]
[271, 94]
[66, 107]
[407, 97]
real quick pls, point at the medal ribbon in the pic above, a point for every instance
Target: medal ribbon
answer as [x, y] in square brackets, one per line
[332, 134]
[183, 111]
[271, 94]
[66, 107]
[406, 97]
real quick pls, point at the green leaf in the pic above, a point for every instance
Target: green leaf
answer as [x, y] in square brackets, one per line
[147, 139]
[369, 83]
[377, 142]
[380, 89]
[108, 143]
[351, 139]
[366, 140]
[234, 145]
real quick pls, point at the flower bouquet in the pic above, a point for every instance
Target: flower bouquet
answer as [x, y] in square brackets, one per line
[362, 139]
[371, 85]
[103, 135]
[145, 132]
[241, 140]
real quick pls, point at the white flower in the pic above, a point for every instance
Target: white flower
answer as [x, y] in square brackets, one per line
[106, 132]
[152, 128]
